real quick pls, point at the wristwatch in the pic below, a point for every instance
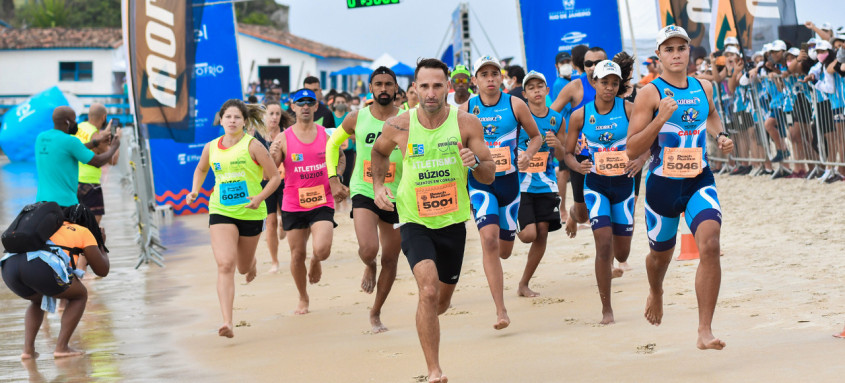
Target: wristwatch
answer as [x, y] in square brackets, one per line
[477, 162]
[722, 133]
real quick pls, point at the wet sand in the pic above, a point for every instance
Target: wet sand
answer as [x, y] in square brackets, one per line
[781, 301]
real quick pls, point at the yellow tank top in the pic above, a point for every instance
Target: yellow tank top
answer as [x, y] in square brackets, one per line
[237, 177]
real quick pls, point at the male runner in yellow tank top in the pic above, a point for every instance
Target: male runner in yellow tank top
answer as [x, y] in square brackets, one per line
[438, 144]
[372, 225]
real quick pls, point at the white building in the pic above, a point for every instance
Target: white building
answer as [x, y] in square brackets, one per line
[266, 52]
[82, 61]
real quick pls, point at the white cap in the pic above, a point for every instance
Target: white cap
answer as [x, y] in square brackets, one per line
[778, 45]
[732, 49]
[812, 41]
[767, 47]
[793, 51]
[605, 68]
[532, 75]
[669, 32]
[823, 45]
[826, 26]
[485, 60]
[839, 37]
[731, 40]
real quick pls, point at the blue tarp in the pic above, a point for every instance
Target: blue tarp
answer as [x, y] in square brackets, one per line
[24, 122]
[353, 70]
[402, 69]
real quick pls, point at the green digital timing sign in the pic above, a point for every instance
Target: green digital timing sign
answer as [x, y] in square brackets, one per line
[350, 4]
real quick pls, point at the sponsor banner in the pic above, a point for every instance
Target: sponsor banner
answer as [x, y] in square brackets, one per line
[549, 27]
[160, 55]
[215, 78]
[753, 23]
[692, 15]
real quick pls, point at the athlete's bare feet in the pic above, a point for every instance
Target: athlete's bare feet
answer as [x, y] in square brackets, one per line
[302, 306]
[226, 330]
[29, 355]
[617, 272]
[654, 308]
[625, 266]
[368, 283]
[571, 227]
[524, 291]
[607, 318]
[503, 321]
[706, 341]
[274, 268]
[67, 353]
[316, 271]
[250, 276]
[437, 376]
[375, 321]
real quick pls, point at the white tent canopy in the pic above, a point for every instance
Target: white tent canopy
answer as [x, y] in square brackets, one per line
[384, 60]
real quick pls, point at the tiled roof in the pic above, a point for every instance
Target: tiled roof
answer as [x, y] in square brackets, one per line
[39, 38]
[285, 38]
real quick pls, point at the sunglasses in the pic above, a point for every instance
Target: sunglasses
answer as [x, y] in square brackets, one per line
[305, 103]
[590, 63]
[461, 81]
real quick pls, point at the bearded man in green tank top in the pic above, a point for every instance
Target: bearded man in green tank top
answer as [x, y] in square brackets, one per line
[373, 226]
[438, 144]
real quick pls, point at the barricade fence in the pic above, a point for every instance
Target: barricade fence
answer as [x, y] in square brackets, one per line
[782, 125]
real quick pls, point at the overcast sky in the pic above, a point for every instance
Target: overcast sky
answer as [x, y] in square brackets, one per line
[415, 28]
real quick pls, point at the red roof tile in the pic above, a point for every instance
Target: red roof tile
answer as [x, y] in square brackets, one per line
[285, 38]
[35, 38]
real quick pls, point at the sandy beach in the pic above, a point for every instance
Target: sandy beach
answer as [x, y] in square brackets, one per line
[781, 300]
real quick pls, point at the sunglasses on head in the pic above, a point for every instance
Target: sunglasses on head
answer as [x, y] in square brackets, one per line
[461, 80]
[305, 103]
[590, 63]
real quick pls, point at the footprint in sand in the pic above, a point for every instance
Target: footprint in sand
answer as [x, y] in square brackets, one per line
[546, 301]
[343, 313]
[457, 313]
[420, 378]
[243, 324]
[570, 320]
[646, 349]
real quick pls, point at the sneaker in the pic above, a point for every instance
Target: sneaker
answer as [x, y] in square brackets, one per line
[798, 174]
[778, 157]
[747, 169]
[834, 178]
[827, 173]
[738, 171]
[766, 172]
[781, 173]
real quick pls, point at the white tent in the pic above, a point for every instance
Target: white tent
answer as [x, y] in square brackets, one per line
[384, 60]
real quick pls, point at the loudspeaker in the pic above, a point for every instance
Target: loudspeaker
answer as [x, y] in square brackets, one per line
[794, 35]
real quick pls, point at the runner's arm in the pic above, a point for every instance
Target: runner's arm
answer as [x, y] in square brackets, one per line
[523, 114]
[644, 126]
[394, 129]
[277, 149]
[199, 175]
[472, 138]
[576, 123]
[347, 128]
[260, 154]
[565, 96]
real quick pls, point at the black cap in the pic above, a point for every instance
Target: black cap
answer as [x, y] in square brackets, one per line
[562, 56]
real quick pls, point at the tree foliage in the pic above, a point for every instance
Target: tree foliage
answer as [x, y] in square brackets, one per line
[68, 13]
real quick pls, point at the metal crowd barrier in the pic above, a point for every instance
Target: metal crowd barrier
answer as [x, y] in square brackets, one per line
[782, 124]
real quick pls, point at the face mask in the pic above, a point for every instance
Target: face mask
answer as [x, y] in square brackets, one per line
[340, 108]
[565, 70]
[822, 56]
[507, 84]
[812, 54]
[72, 128]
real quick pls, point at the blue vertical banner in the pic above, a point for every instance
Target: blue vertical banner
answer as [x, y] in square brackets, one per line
[552, 26]
[215, 78]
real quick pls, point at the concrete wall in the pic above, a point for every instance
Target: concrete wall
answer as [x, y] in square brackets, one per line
[33, 70]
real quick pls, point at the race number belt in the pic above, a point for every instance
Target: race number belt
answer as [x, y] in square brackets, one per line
[611, 163]
[437, 200]
[681, 162]
[388, 178]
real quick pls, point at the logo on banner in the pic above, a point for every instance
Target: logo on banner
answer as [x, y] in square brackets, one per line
[570, 12]
[569, 4]
[573, 37]
[206, 69]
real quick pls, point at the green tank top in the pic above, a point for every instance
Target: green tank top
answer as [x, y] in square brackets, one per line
[367, 129]
[433, 190]
[237, 177]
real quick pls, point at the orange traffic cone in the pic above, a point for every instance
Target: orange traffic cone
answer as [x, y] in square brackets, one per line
[841, 335]
[689, 250]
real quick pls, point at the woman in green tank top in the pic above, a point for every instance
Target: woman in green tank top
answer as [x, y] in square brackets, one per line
[236, 205]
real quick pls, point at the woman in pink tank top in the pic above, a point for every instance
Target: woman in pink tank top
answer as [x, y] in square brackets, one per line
[308, 203]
